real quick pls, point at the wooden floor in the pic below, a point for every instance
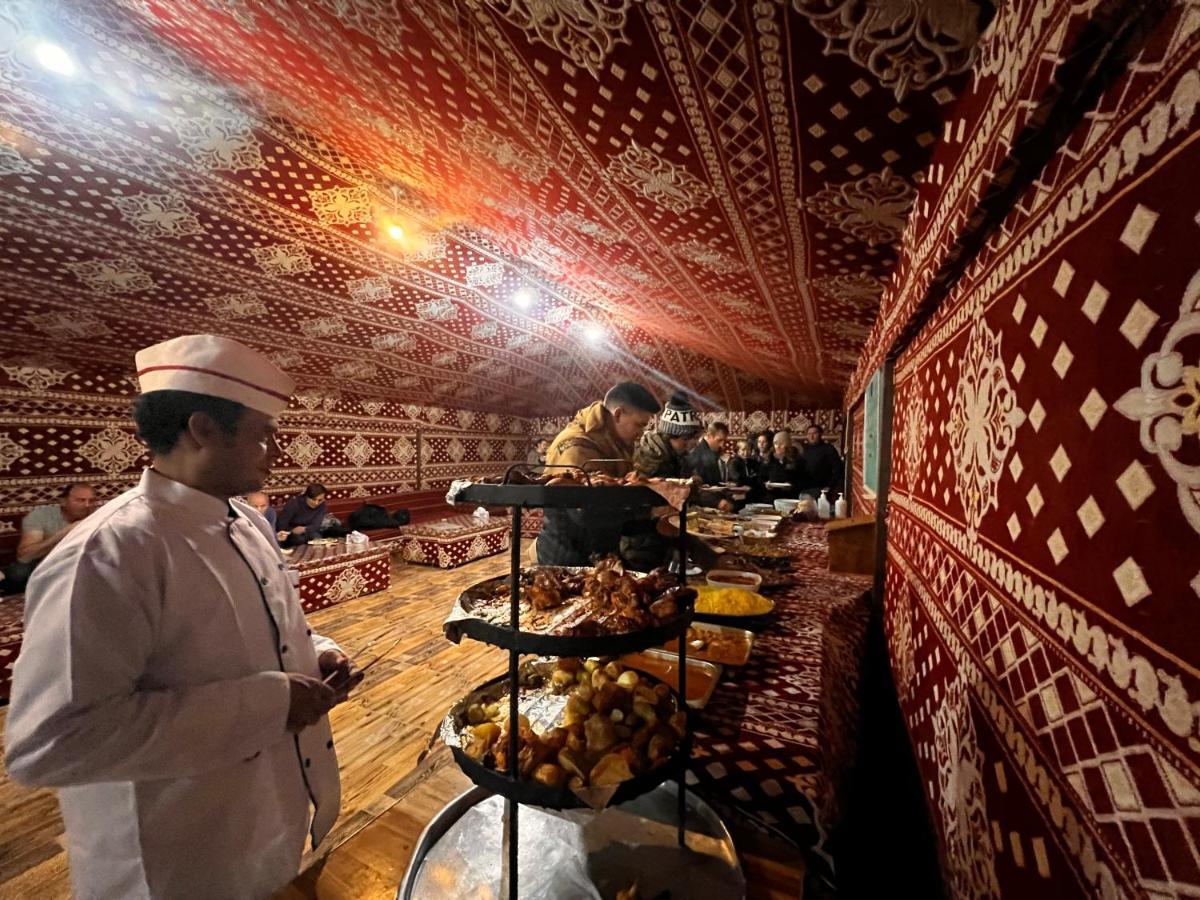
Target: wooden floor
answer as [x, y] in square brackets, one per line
[388, 792]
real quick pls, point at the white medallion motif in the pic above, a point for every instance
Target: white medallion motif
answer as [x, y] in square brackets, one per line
[983, 423]
[236, 306]
[36, 374]
[403, 451]
[326, 326]
[872, 209]
[349, 584]
[158, 215]
[303, 450]
[10, 451]
[585, 31]
[365, 290]
[283, 259]
[356, 369]
[112, 276]
[480, 141]
[341, 205]
[358, 451]
[906, 45]
[220, 143]
[961, 798]
[1166, 405]
[657, 179]
[112, 450]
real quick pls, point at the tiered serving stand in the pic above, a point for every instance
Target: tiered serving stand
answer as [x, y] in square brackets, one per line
[514, 789]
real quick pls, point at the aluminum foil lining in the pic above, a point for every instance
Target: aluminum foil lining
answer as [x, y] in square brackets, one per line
[584, 855]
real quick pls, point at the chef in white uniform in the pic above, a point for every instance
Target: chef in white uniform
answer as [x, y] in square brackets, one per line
[168, 684]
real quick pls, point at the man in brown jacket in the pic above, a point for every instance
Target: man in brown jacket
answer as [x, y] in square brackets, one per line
[601, 438]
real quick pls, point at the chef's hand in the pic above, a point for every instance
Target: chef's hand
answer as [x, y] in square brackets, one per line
[281, 535]
[336, 672]
[310, 700]
[299, 529]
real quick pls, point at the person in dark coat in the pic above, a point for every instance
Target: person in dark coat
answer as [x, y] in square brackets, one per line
[301, 518]
[786, 466]
[744, 467]
[705, 460]
[822, 463]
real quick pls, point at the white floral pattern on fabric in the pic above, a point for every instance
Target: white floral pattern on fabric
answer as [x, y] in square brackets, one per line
[158, 215]
[1166, 405]
[349, 584]
[303, 450]
[906, 45]
[961, 799]
[872, 209]
[112, 450]
[585, 31]
[983, 423]
[220, 143]
[657, 179]
[358, 450]
[112, 276]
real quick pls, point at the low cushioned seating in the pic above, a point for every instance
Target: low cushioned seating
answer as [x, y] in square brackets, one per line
[453, 541]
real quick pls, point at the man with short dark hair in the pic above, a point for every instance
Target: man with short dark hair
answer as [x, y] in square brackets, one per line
[42, 529]
[301, 518]
[822, 462]
[601, 438]
[705, 460]
[168, 684]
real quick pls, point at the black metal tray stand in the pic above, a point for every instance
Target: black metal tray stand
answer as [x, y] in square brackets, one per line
[601, 498]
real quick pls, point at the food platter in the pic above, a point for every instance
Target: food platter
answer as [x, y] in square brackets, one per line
[483, 613]
[733, 606]
[718, 644]
[546, 706]
[702, 675]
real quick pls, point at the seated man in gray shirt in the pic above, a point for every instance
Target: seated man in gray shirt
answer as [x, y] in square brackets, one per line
[43, 527]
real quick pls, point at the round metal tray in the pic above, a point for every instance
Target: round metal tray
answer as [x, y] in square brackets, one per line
[583, 856]
[463, 622]
[543, 709]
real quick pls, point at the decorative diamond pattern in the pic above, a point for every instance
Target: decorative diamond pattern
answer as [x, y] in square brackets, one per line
[1135, 484]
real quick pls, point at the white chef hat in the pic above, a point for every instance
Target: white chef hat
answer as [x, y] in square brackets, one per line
[217, 367]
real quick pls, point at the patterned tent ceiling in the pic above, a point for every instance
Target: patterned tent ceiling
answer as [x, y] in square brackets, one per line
[702, 194]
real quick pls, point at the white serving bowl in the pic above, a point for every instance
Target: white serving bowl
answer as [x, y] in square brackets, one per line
[785, 506]
[714, 579]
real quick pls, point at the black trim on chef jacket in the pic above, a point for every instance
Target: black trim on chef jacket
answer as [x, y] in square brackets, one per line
[260, 582]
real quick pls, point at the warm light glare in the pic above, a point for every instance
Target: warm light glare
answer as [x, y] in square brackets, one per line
[523, 298]
[594, 333]
[395, 232]
[53, 57]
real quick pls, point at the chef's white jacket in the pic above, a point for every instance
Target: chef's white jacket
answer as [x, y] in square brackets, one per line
[151, 691]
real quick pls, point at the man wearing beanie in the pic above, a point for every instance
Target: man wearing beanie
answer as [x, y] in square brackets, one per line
[168, 685]
[662, 452]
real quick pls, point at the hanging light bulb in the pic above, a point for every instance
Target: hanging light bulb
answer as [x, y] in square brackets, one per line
[395, 232]
[52, 57]
[593, 333]
[523, 298]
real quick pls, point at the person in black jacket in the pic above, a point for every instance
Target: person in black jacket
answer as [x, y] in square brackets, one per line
[705, 460]
[744, 467]
[785, 467]
[823, 463]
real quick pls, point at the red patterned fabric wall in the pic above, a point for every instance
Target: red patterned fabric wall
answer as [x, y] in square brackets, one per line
[60, 424]
[1043, 570]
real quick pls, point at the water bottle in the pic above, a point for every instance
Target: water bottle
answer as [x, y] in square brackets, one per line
[823, 510]
[841, 509]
